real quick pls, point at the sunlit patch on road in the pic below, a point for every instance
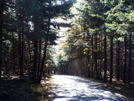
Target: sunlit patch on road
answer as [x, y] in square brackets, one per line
[73, 88]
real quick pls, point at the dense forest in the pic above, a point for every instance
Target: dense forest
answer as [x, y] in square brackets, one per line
[100, 42]
[27, 36]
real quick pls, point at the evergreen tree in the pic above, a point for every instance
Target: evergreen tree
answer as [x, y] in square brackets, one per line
[26, 27]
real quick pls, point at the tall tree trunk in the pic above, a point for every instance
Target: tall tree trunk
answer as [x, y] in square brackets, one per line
[13, 46]
[20, 52]
[21, 40]
[30, 57]
[35, 42]
[99, 62]
[88, 67]
[1, 31]
[46, 44]
[130, 58]
[22, 55]
[105, 58]
[92, 57]
[118, 61]
[43, 61]
[125, 62]
[111, 58]
[39, 57]
[96, 65]
[35, 62]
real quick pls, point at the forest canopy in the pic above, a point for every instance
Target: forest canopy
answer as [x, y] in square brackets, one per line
[99, 42]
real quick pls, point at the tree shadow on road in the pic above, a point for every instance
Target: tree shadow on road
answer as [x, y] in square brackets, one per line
[74, 88]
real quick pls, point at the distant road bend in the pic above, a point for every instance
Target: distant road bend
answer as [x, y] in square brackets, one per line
[73, 88]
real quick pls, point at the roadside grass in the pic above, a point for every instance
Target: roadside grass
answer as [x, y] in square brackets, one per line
[40, 91]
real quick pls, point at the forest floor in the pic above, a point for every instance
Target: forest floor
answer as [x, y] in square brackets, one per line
[20, 89]
[118, 87]
[74, 88]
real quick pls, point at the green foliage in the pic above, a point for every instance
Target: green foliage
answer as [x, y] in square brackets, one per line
[26, 34]
[119, 18]
[40, 91]
[97, 29]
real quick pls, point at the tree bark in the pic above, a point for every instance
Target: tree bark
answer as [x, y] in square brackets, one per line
[1, 31]
[105, 57]
[35, 62]
[35, 42]
[125, 62]
[13, 47]
[130, 59]
[43, 61]
[92, 57]
[111, 58]
[39, 57]
[95, 58]
[118, 61]
[21, 40]
[46, 44]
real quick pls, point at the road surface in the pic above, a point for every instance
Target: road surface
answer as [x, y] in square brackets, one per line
[73, 88]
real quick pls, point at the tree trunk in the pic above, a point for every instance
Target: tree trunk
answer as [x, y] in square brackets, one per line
[95, 58]
[35, 42]
[92, 57]
[105, 57]
[30, 57]
[46, 44]
[88, 67]
[21, 39]
[43, 61]
[13, 46]
[1, 31]
[20, 53]
[125, 62]
[118, 61]
[111, 58]
[130, 59]
[39, 57]
[35, 62]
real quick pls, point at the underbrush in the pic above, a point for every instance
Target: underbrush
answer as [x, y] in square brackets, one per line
[40, 91]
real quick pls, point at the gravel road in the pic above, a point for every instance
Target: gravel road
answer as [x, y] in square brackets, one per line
[74, 88]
